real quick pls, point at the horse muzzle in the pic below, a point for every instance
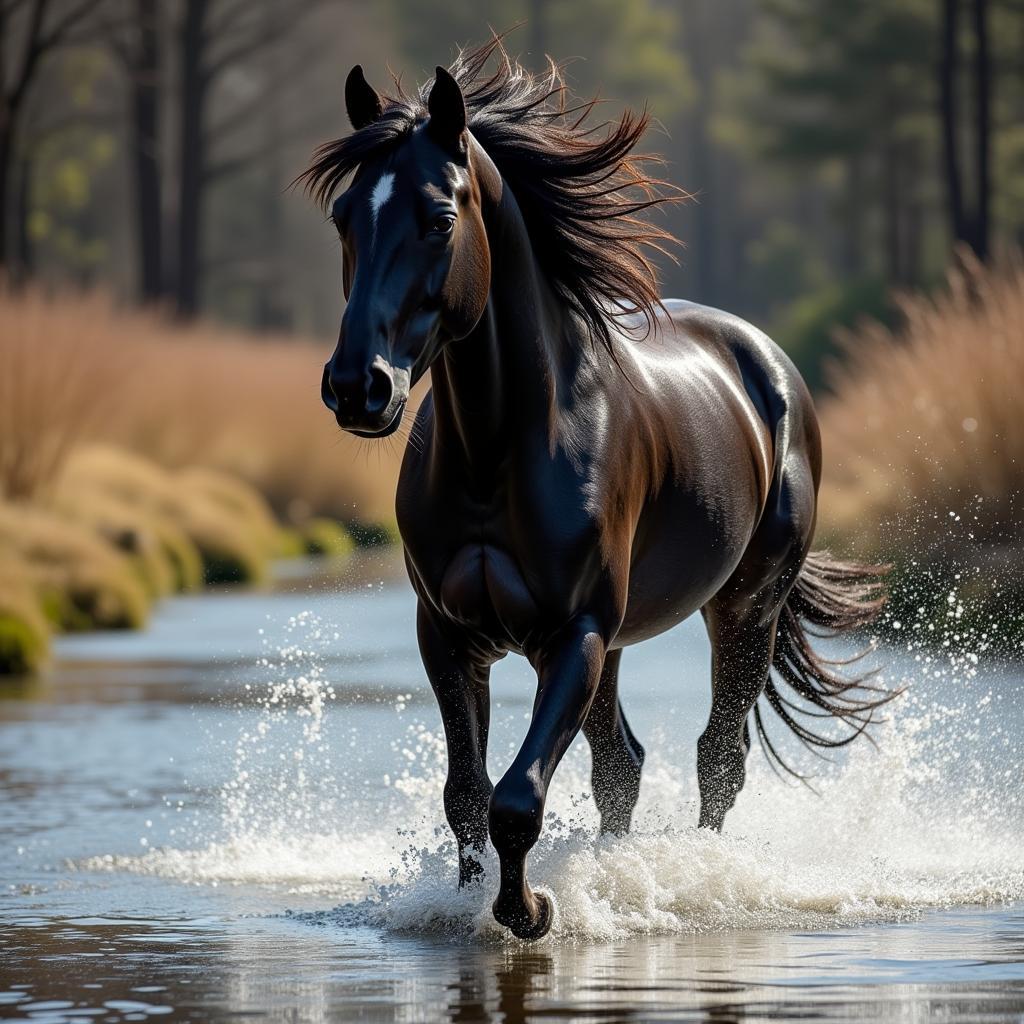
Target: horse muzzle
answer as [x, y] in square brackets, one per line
[368, 403]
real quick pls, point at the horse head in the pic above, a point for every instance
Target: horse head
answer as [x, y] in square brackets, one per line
[416, 260]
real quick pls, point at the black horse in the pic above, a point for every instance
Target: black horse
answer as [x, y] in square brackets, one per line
[591, 466]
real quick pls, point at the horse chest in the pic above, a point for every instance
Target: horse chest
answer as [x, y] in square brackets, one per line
[484, 588]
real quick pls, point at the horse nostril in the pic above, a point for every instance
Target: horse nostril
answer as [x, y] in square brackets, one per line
[379, 391]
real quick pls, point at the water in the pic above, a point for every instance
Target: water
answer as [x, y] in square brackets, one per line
[237, 814]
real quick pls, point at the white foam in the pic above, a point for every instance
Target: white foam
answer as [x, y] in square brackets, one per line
[925, 821]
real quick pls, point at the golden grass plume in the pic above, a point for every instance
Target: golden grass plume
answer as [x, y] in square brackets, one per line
[924, 448]
[76, 368]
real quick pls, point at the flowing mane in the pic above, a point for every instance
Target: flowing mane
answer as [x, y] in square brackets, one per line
[582, 190]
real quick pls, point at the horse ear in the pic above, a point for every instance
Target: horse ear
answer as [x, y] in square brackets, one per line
[447, 109]
[361, 99]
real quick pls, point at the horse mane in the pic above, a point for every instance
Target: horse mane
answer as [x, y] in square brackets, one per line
[582, 190]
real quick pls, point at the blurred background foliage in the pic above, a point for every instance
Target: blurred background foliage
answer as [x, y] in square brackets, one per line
[837, 152]
[163, 282]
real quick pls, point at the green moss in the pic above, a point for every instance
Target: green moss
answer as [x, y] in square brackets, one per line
[51, 604]
[328, 538]
[290, 543]
[24, 643]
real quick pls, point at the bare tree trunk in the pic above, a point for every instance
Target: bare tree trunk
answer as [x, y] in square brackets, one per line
[6, 147]
[191, 156]
[23, 263]
[703, 254]
[891, 207]
[273, 309]
[7, 120]
[853, 205]
[948, 113]
[36, 45]
[145, 142]
[983, 125]
[538, 37]
[913, 213]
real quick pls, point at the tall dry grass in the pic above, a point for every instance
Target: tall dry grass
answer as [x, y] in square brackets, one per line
[57, 368]
[138, 458]
[76, 368]
[924, 443]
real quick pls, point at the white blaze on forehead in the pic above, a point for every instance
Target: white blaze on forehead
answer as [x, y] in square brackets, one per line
[381, 194]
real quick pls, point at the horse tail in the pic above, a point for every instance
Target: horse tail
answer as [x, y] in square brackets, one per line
[831, 598]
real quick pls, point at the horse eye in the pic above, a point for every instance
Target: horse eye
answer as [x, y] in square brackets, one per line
[443, 224]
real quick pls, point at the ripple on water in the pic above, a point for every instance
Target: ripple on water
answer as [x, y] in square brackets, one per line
[922, 822]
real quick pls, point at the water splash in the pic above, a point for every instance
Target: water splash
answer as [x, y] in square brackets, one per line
[873, 846]
[931, 819]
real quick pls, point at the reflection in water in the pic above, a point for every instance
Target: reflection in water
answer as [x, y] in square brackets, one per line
[182, 811]
[269, 968]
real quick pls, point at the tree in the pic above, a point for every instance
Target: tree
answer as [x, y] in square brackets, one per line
[144, 69]
[136, 41]
[983, 87]
[214, 38]
[195, 79]
[970, 222]
[30, 31]
[629, 52]
[851, 84]
[949, 116]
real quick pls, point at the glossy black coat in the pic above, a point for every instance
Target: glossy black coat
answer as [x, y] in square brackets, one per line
[558, 499]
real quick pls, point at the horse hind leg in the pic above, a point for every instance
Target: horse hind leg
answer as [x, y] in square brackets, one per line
[742, 621]
[740, 662]
[617, 755]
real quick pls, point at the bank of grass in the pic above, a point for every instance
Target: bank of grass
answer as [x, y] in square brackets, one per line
[80, 580]
[140, 459]
[924, 455]
[24, 630]
[229, 530]
[114, 532]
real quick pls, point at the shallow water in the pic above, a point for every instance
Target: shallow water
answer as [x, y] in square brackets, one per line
[236, 814]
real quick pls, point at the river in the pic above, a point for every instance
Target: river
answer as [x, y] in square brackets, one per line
[236, 814]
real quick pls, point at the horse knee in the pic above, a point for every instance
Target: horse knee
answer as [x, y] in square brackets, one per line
[516, 815]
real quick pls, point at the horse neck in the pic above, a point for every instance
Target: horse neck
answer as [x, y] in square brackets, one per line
[498, 388]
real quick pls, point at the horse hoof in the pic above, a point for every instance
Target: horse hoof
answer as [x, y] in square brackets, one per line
[525, 930]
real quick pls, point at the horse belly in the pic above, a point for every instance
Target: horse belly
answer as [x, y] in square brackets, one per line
[685, 555]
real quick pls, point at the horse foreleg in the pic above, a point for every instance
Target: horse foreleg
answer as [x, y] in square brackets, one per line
[616, 753]
[568, 670]
[741, 656]
[463, 695]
